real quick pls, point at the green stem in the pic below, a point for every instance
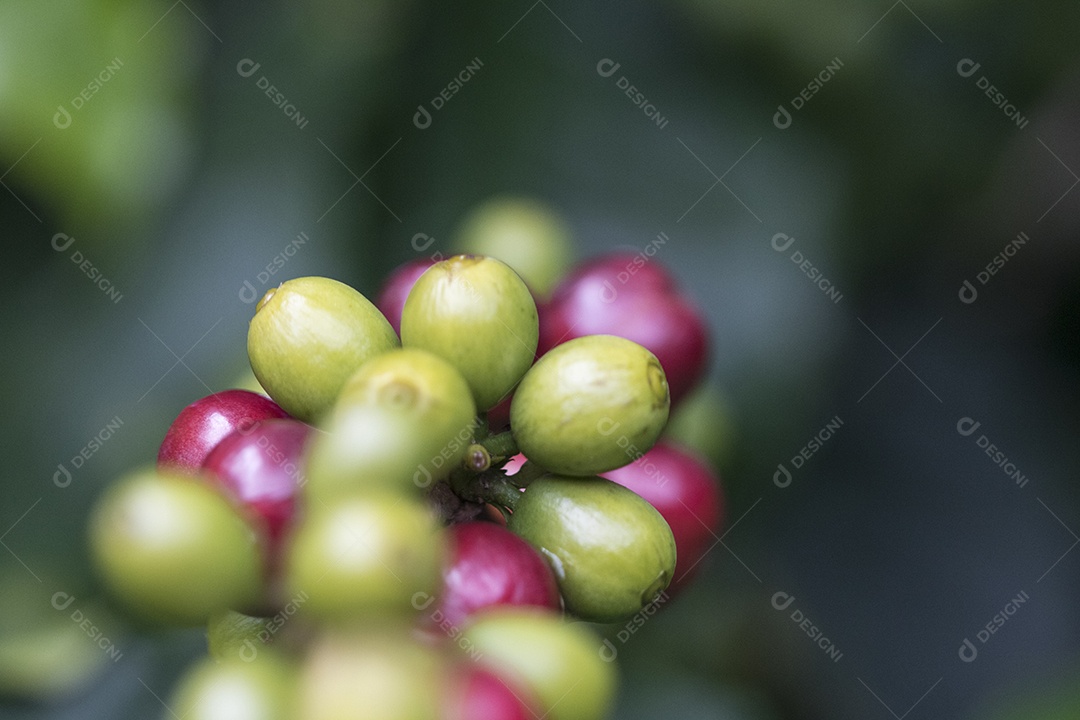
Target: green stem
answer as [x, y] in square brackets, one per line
[526, 474]
[482, 429]
[500, 445]
[491, 486]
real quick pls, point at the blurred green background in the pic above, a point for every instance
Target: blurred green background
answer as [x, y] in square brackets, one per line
[151, 185]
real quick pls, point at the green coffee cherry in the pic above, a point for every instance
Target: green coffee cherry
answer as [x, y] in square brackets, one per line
[612, 552]
[232, 635]
[174, 549]
[371, 675]
[308, 336]
[234, 689]
[367, 554]
[525, 234]
[559, 661]
[427, 395]
[476, 313]
[590, 405]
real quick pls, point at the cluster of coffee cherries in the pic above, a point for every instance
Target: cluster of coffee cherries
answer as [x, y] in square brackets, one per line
[432, 494]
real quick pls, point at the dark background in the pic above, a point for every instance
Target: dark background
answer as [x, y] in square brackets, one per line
[899, 179]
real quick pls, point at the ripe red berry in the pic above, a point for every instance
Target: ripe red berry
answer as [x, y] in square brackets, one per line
[686, 493]
[396, 289]
[610, 295]
[478, 693]
[260, 467]
[489, 565]
[204, 423]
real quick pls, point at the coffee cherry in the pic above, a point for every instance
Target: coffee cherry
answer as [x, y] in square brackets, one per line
[365, 448]
[396, 288]
[476, 313]
[619, 295]
[612, 552]
[232, 635]
[174, 548]
[590, 405]
[475, 693]
[362, 555]
[489, 565]
[525, 234]
[232, 689]
[308, 336]
[430, 393]
[686, 493]
[370, 675]
[558, 661]
[204, 423]
[260, 468]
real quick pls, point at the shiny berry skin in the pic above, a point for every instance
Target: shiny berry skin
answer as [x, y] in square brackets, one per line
[478, 315]
[476, 693]
[525, 234]
[261, 468]
[372, 673]
[174, 549]
[489, 565]
[395, 290]
[557, 661]
[611, 551]
[403, 420]
[262, 688]
[613, 295]
[308, 336]
[362, 555]
[686, 493]
[590, 405]
[204, 423]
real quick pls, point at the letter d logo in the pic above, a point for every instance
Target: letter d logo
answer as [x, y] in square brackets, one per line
[968, 293]
[968, 652]
[782, 601]
[63, 238]
[246, 68]
[608, 651]
[782, 118]
[248, 293]
[967, 68]
[782, 238]
[422, 118]
[62, 477]
[606, 68]
[61, 604]
[62, 118]
[967, 426]
[782, 477]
